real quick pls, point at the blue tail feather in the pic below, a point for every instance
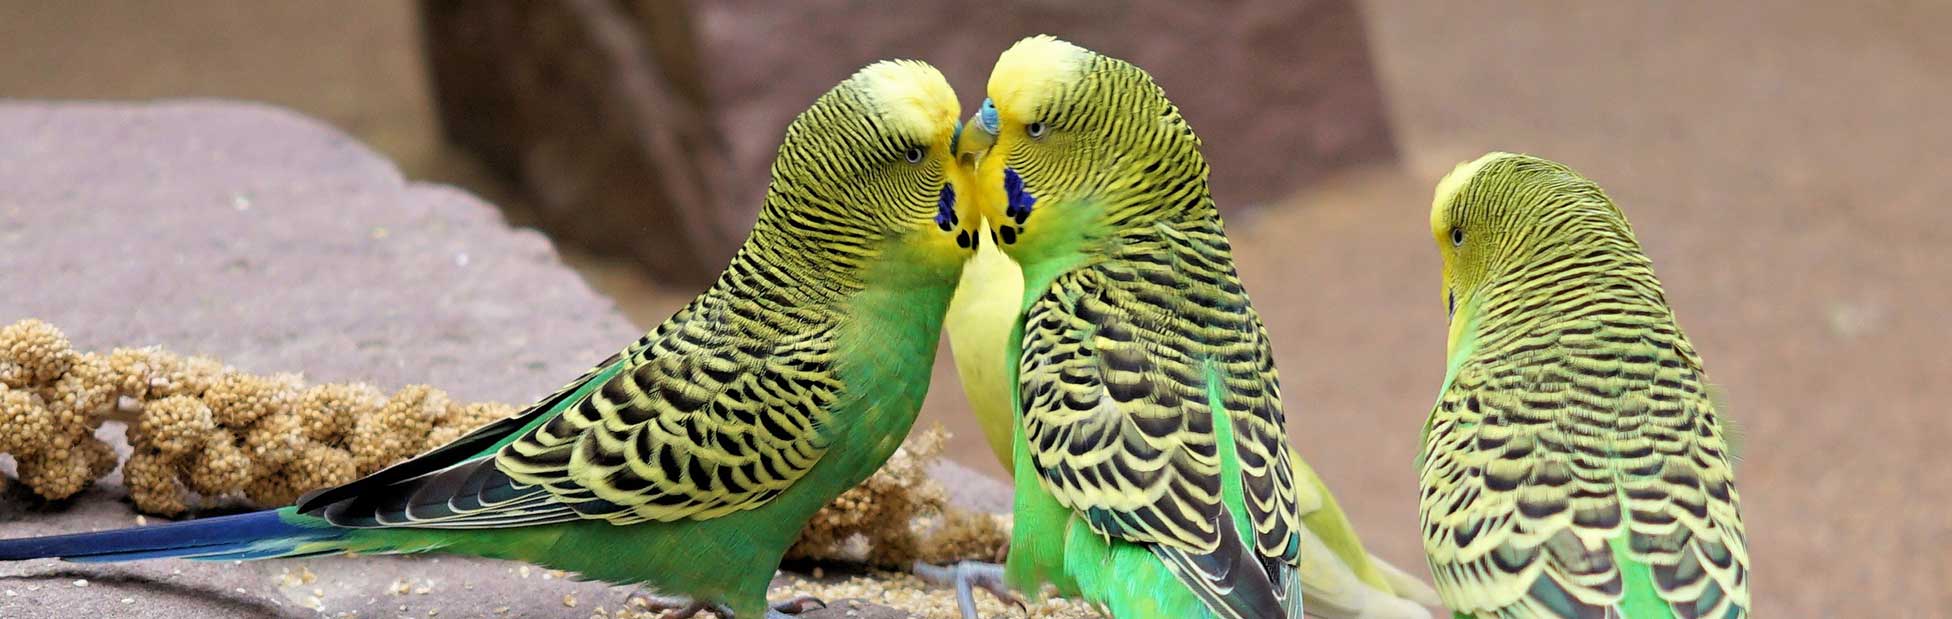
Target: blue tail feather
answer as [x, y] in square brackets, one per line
[255, 535]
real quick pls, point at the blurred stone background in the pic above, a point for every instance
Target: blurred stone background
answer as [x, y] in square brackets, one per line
[653, 117]
[1785, 167]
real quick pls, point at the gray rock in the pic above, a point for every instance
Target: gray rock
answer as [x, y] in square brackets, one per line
[277, 244]
[604, 127]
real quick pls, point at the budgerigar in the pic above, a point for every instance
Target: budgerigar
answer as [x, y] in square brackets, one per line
[1339, 579]
[690, 461]
[984, 310]
[1575, 464]
[1153, 478]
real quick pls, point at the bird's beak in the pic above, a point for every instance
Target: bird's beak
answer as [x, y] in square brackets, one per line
[977, 139]
[976, 136]
[956, 212]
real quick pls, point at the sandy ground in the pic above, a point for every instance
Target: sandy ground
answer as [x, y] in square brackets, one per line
[1785, 168]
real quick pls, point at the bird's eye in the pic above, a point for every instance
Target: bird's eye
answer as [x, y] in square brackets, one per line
[914, 154]
[1036, 130]
[1456, 237]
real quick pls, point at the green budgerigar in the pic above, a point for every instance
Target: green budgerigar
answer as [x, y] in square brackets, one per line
[1575, 464]
[690, 461]
[1153, 477]
[1339, 578]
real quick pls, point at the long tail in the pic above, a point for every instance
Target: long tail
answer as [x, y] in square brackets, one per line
[257, 535]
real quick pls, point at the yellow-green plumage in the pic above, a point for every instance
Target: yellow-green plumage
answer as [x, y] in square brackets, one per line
[1153, 475]
[1339, 579]
[1575, 464]
[690, 461]
[980, 318]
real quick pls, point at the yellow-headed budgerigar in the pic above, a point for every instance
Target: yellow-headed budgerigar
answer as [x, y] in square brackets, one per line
[1339, 579]
[690, 461]
[1153, 477]
[1575, 464]
[984, 311]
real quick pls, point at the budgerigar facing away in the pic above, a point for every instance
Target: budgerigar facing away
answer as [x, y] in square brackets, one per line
[690, 461]
[1574, 465]
[1339, 579]
[1152, 475]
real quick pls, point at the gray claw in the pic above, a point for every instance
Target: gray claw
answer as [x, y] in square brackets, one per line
[965, 577]
[671, 607]
[798, 604]
[685, 608]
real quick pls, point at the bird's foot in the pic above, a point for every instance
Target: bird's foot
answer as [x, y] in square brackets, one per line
[671, 607]
[686, 608]
[796, 605]
[966, 577]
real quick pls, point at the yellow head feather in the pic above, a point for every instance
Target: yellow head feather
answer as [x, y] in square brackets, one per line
[1454, 182]
[1080, 113]
[1455, 291]
[1027, 72]
[911, 94]
[914, 98]
[882, 114]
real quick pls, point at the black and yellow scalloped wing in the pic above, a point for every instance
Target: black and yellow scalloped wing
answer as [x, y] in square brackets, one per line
[717, 410]
[1581, 485]
[1123, 363]
[702, 423]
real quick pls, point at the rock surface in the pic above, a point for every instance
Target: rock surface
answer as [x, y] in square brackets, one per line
[595, 108]
[274, 243]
